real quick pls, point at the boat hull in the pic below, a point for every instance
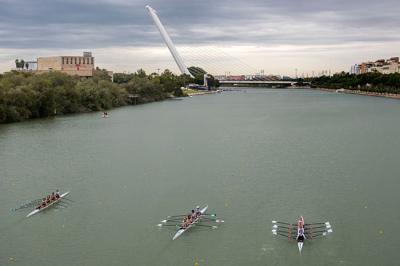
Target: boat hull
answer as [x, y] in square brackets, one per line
[300, 246]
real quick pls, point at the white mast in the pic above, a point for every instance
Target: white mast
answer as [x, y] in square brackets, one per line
[168, 41]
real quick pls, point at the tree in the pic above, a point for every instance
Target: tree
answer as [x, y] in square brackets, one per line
[198, 74]
[141, 73]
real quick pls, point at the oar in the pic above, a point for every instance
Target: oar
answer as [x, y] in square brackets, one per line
[180, 215]
[214, 220]
[210, 214]
[307, 229]
[209, 226]
[162, 225]
[68, 199]
[283, 232]
[183, 215]
[170, 220]
[275, 226]
[26, 205]
[321, 231]
[326, 223]
[323, 234]
[279, 233]
[277, 222]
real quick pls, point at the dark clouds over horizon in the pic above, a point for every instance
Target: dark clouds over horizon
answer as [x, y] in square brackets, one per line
[73, 24]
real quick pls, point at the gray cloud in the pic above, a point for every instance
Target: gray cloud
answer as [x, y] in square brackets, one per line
[55, 23]
[101, 24]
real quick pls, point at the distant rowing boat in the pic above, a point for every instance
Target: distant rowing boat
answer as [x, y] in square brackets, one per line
[202, 220]
[311, 231]
[47, 206]
[183, 230]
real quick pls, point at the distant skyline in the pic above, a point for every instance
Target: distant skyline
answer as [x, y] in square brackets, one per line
[276, 36]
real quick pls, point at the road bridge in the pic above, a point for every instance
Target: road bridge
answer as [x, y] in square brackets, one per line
[257, 83]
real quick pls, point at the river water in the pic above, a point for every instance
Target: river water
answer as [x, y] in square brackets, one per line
[253, 156]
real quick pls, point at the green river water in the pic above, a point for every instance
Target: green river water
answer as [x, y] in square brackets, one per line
[253, 156]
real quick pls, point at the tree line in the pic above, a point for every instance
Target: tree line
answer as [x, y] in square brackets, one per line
[369, 82]
[26, 95]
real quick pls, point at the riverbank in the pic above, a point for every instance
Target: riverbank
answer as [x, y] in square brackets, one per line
[196, 93]
[360, 92]
[25, 96]
[368, 84]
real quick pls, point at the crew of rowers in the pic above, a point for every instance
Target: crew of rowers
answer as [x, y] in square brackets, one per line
[300, 230]
[188, 220]
[49, 199]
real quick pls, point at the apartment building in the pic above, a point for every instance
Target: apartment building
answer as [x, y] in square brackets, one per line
[82, 66]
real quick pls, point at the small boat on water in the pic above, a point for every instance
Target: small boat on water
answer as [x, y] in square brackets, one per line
[301, 231]
[183, 230]
[180, 221]
[48, 205]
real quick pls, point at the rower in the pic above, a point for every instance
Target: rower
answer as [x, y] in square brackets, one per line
[300, 235]
[44, 202]
[198, 212]
[53, 196]
[189, 220]
[184, 222]
[41, 204]
[57, 194]
[48, 199]
[193, 215]
[300, 223]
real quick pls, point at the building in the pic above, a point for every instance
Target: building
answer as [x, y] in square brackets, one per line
[355, 69]
[31, 65]
[388, 66]
[82, 66]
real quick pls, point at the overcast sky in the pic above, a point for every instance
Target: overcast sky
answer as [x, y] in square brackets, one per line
[225, 36]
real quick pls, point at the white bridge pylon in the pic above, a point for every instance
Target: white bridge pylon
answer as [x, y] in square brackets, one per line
[178, 59]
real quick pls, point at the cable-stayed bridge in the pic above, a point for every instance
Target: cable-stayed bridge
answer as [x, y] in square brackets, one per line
[213, 61]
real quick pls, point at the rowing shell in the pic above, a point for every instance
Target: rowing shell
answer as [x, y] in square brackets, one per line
[183, 230]
[311, 231]
[50, 204]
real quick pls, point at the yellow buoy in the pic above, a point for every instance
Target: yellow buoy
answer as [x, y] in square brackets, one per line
[381, 232]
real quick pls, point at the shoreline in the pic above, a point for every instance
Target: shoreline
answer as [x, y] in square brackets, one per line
[360, 92]
[203, 93]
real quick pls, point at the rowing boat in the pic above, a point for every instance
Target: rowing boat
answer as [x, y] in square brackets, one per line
[183, 230]
[47, 206]
[311, 231]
